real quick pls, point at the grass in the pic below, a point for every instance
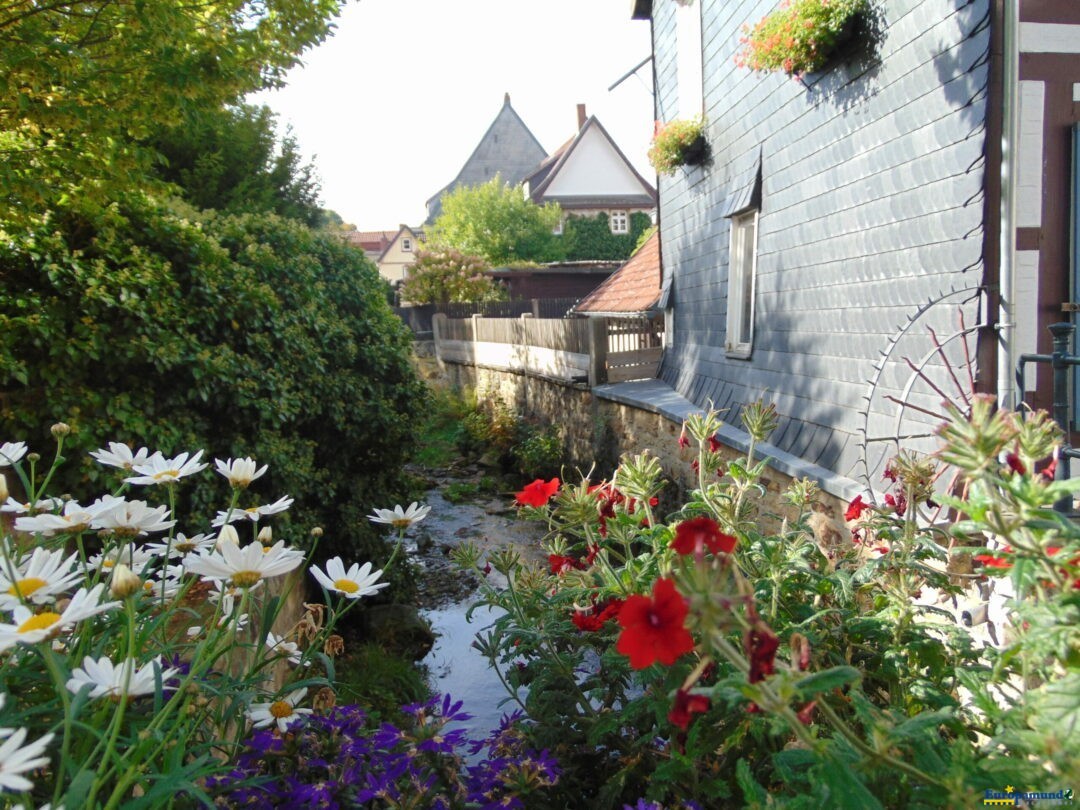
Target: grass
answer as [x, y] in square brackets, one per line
[378, 680]
[439, 434]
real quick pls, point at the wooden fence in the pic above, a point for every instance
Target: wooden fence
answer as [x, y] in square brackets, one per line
[593, 350]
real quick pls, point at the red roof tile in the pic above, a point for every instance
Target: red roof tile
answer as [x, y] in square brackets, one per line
[634, 287]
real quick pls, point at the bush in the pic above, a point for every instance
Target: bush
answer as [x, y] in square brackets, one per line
[538, 453]
[243, 335]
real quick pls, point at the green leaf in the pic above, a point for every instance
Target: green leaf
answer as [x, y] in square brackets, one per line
[827, 680]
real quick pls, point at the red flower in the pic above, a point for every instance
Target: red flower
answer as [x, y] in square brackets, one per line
[653, 627]
[560, 564]
[890, 474]
[761, 645]
[856, 508]
[595, 619]
[693, 535]
[714, 444]
[683, 441]
[1015, 464]
[992, 561]
[898, 503]
[686, 706]
[806, 713]
[537, 493]
[593, 551]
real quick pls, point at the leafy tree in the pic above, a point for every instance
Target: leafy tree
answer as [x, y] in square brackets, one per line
[442, 276]
[228, 160]
[498, 223]
[241, 335]
[84, 83]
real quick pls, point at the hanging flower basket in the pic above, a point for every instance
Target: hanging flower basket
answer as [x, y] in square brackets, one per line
[800, 36]
[678, 143]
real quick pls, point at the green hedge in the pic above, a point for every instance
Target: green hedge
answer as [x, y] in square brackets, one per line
[242, 335]
[588, 238]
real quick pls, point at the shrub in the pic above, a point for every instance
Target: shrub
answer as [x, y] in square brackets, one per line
[243, 335]
[590, 238]
[441, 276]
[800, 36]
[538, 453]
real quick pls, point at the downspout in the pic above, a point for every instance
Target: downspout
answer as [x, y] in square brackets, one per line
[1006, 325]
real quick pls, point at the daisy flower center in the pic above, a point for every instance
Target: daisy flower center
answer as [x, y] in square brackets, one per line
[184, 548]
[159, 476]
[280, 709]
[401, 523]
[25, 587]
[41, 621]
[245, 579]
[252, 510]
[346, 585]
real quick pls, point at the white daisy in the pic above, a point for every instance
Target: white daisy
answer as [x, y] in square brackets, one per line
[244, 567]
[16, 759]
[401, 518]
[227, 595]
[182, 545]
[278, 646]
[253, 513]
[39, 579]
[160, 470]
[120, 455]
[282, 713]
[11, 453]
[19, 508]
[133, 518]
[240, 472]
[30, 628]
[166, 583]
[356, 582]
[134, 557]
[73, 518]
[106, 679]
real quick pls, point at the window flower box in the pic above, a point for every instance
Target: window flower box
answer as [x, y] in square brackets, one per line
[800, 36]
[678, 143]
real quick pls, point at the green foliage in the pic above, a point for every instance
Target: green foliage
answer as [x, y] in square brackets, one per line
[798, 37]
[370, 676]
[82, 85]
[440, 276]
[498, 223]
[674, 142]
[461, 491]
[588, 238]
[538, 452]
[229, 160]
[243, 335]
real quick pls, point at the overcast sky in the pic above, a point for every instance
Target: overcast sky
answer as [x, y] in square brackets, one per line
[392, 105]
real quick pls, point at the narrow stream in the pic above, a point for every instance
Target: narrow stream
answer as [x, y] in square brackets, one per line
[455, 667]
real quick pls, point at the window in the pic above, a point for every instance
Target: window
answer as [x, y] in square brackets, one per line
[406, 244]
[558, 229]
[620, 222]
[742, 265]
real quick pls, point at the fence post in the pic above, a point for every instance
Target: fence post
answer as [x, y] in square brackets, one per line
[536, 307]
[436, 332]
[598, 339]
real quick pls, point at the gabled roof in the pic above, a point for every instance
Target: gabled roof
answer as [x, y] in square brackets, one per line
[508, 149]
[371, 241]
[395, 237]
[634, 287]
[541, 178]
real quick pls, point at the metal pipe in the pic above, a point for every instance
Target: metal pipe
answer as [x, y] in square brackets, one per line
[1006, 326]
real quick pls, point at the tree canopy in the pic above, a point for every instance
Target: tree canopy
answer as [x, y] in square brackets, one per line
[84, 86]
[498, 223]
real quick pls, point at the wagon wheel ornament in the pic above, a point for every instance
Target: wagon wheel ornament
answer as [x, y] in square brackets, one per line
[941, 372]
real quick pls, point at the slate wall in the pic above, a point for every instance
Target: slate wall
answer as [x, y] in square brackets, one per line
[872, 205]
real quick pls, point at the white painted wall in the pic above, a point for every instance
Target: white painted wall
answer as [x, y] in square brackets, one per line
[1029, 189]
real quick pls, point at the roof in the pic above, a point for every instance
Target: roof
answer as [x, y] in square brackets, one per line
[634, 287]
[395, 237]
[373, 241]
[508, 149]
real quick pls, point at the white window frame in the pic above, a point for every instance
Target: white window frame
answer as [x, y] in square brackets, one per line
[406, 244]
[742, 283]
[619, 222]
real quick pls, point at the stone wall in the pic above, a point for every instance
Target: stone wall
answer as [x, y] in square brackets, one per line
[598, 430]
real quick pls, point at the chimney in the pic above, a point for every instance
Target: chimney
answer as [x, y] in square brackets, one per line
[506, 98]
[580, 116]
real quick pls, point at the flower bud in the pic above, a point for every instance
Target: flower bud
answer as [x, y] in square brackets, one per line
[125, 582]
[33, 458]
[60, 429]
[227, 535]
[3, 487]
[266, 536]
[317, 531]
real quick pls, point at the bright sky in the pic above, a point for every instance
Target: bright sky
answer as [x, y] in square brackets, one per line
[392, 105]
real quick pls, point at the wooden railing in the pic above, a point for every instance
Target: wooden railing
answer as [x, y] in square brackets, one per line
[593, 350]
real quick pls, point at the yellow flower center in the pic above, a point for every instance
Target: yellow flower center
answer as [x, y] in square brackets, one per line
[281, 708]
[346, 585]
[401, 523]
[252, 510]
[158, 476]
[184, 548]
[25, 587]
[41, 621]
[245, 579]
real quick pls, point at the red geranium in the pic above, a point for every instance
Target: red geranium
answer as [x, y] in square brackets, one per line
[993, 561]
[692, 536]
[560, 564]
[898, 503]
[761, 645]
[595, 618]
[653, 627]
[538, 493]
[686, 706]
[855, 508]
[714, 444]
